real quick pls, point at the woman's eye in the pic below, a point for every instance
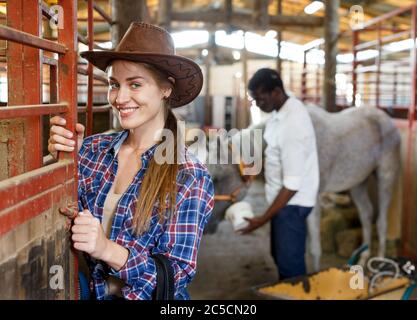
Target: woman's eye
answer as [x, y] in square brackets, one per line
[113, 85]
[135, 85]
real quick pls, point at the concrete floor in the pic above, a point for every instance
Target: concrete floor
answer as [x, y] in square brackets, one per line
[230, 265]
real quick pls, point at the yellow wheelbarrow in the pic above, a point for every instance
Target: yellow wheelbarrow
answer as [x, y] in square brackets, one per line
[381, 278]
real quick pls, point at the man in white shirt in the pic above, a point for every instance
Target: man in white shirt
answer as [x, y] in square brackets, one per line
[291, 172]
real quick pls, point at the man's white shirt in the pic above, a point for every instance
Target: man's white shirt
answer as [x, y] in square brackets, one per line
[291, 154]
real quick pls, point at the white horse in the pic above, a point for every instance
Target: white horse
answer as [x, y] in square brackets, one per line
[352, 145]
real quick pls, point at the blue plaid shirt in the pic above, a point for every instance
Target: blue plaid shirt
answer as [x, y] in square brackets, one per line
[178, 238]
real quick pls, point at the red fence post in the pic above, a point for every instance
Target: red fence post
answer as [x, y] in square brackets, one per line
[408, 183]
[24, 87]
[90, 82]
[67, 91]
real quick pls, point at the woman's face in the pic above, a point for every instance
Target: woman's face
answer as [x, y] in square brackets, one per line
[134, 92]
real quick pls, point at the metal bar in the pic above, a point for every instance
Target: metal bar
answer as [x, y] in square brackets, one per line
[84, 40]
[368, 29]
[378, 65]
[394, 91]
[95, 20]
[67, 91]
[32, 110]
[96, 109]
[103, 13]
[304, 77]
[368, 44]
[32, 85]
[21, 37]
[15, 91]
[355, 39]
[45, 10]
[83, 71]
[90, 83]
[373, 69]
[385, 82]
[53, 84]
[384, 17]
[30, 208]
[49, 61]
[318, 85]
[18, 189]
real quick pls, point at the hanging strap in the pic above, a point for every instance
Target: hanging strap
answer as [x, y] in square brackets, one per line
[164, 278]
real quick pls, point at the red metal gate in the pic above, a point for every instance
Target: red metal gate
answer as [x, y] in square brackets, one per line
[388, 32]
[35, 254]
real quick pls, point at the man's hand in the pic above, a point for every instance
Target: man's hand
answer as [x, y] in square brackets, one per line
[88, 235]
[254, 223]
[61, 139]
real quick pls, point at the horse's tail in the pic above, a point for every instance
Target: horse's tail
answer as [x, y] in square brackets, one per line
[389, 133]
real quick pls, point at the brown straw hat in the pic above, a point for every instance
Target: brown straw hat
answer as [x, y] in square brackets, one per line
[150, 44]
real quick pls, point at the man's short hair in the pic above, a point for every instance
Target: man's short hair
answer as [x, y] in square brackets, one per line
[267, 79]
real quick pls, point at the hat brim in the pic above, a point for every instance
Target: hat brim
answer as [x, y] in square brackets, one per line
[187, 74]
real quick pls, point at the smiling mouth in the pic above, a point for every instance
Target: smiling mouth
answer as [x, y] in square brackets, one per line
[126, 112]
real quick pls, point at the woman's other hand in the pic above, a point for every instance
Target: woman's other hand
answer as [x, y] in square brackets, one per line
[61, 139]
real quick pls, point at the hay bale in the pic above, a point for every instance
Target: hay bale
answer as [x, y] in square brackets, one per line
[335, 220]
[330, 225]
[348, 241]
[337, 200]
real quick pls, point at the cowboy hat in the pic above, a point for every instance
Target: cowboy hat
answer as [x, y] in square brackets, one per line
[150, 44]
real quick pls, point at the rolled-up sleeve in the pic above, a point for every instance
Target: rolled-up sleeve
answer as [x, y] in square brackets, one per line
[294, 152]
[179, 242]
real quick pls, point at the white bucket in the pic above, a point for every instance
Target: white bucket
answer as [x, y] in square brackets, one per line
[237, 212]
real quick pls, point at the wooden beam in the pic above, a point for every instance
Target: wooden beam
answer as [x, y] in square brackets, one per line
[245, 19]
[331, 34]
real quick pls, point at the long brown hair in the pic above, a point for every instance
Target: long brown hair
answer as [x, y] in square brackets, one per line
[159, 182]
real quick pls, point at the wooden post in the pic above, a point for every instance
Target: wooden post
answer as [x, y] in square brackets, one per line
[242, 112]
[228, 8]
[279, 39]
[207, 97]
[164, 14]
[331, 33]
[124, 12]
[260, 14]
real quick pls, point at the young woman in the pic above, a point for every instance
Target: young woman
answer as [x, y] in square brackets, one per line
[133, 205]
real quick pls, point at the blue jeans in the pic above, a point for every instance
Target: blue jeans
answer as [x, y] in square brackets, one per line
[288, 240]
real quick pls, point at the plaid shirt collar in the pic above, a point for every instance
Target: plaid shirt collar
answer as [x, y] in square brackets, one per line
[115, 145]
